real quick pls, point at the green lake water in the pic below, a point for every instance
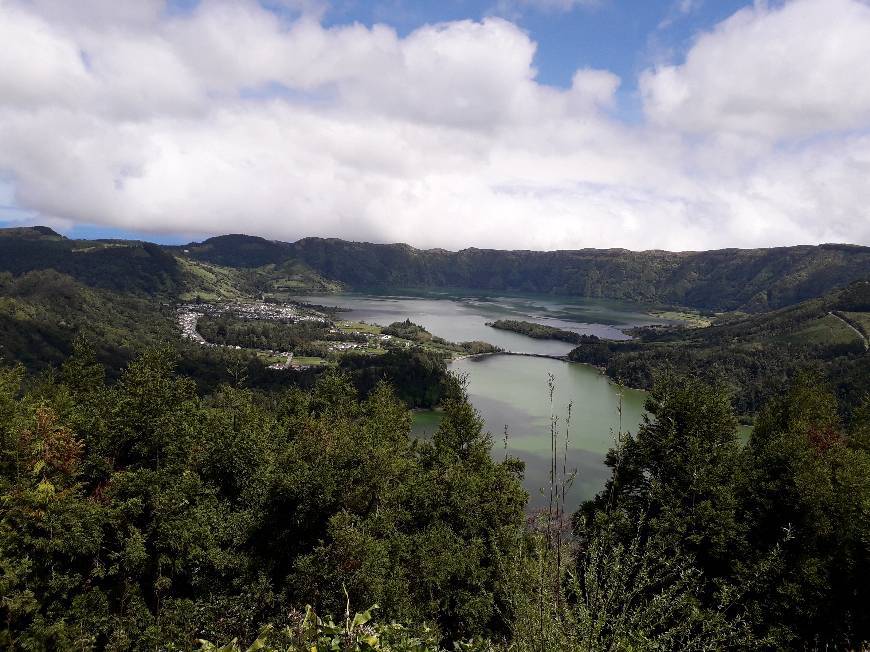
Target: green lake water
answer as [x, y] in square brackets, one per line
[512, 391]
[462, 317]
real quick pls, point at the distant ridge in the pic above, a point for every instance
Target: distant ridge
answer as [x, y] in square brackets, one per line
[31, 231]
[751, 280]
[727, 279]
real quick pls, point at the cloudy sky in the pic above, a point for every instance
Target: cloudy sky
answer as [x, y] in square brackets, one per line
[673, 124]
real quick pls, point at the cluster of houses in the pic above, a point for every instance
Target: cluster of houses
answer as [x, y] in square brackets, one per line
[189, 315]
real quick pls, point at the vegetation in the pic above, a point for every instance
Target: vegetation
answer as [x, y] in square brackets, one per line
[230, 266]
[418, 375]
[138, 514]
[408, 330]
[771, 530]
[42, 312]
[229, 330]
[751, 353]
[749, 279]
[537, 331]
[159, 494]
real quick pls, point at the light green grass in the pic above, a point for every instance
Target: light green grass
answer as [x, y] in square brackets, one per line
[359, 327]
[309, 361]
[824, 330]
[690, 319]
[862, 318]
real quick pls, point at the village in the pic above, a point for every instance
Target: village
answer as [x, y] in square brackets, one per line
[361, 338]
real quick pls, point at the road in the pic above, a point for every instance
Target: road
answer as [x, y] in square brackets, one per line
[859, 333]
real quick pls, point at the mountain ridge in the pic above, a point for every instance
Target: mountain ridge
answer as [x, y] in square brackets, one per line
[751, 280]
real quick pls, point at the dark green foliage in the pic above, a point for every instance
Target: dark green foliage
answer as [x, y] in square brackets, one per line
[238, 251]
[679, 473]
[776, 531]
[138, 514]
[537, 331]
[120, 266]
[749, 279]
[261, 334]
[408, 330]
[592, 350]
[42, 312]
[754, 354]
[729, 279]
[807, 490]
[419, 376]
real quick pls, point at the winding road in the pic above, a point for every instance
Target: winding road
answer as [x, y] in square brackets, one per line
[850, 325]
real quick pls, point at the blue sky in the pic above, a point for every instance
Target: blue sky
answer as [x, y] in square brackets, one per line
[674, 124]
[623, 36]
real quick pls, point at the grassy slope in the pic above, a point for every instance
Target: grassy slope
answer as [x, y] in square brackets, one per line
[755, 353]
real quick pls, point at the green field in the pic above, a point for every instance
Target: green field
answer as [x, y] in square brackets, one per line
[309, 361]
[862, 318]
[359, 327]
[827, 329]
[690, 319]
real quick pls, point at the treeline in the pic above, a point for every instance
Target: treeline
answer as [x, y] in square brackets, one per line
[537, 331]
[750, 279]
[229, 330]
[771, 536]
[137, 268]
[408, 330]
[728, 279]
[419, 377]
[42, 312]
[750, 354]
[139, 515]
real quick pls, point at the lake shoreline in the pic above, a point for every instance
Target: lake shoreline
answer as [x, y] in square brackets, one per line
[547, 356]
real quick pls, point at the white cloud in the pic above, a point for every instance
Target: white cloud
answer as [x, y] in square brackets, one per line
[230, 118]
[793, 70]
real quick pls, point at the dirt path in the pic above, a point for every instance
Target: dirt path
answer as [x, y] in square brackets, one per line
[849, 324]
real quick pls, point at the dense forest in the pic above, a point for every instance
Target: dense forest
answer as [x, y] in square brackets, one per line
[747, 279]
[537, 331]
[235, 265]
[140, 513]
[159, 492]
[752, 353]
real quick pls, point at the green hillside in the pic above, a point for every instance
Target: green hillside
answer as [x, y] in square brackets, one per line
[756, 353]
[753, 280]
[148, 270]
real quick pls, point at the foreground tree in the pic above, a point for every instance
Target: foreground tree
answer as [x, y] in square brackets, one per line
[807, 490]
[140, 514]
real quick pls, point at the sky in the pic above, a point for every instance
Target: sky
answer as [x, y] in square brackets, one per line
[523, 124]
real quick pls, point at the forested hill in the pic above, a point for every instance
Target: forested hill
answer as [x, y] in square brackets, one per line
[752, 280]
[123, 266]
[827, 335]
[748, 279]
[729, 279]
